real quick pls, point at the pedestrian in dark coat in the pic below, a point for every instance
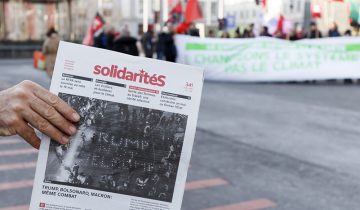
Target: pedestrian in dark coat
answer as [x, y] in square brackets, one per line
[265, 31]
[334, 32]
[100, 40]
[126, 44]
[314, 32]
[147, 43]
[170, 48]
[160, 46]
[193, 31]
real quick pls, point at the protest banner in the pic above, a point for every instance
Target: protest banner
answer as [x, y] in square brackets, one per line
[269, 59]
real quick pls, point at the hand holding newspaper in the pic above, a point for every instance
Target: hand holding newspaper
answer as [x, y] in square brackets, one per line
[135, 136]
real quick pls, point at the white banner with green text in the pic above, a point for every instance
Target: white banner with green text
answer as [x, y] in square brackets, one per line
[270, 59]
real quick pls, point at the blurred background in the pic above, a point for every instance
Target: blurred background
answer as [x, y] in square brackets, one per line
[277, 144]
[24, 23]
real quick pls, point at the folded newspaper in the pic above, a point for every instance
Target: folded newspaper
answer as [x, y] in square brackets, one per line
[135, 136]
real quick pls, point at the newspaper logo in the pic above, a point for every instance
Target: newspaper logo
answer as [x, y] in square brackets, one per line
[123, 73]
[42, 205]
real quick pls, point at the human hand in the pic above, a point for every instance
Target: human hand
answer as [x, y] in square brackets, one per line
[30, 104]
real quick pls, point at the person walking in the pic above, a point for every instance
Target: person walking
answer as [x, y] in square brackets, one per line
[110, 36]
[193, 31]
[237, 33]
[211, 34]
[225, 35]
[100, 39]
[297, 34]
[251, 31]
[160, 46]
[147, 42]
[347, 33]
[333, 31]
[356, 31]
[126, 44]
[265, 31]
[49, 49]
[314, 32]
[170, 48]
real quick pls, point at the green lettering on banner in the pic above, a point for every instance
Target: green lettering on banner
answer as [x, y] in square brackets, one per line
[192, 46]
[295, 65]
[343, 57]
[211, 59]
[275, 59]
[196, 46]
[235, 69]
[352, 47]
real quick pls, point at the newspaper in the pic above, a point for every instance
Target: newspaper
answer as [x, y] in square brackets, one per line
[135, 136]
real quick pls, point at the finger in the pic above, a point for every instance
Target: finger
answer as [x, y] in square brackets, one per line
[28, 133]
[50, 113]
[54, 101]
[45, 126]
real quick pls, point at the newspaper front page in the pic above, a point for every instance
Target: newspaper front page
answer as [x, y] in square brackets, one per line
[135, 136]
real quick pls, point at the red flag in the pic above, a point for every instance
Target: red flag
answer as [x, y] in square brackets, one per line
[263, 3]
[182, 28]
[96, 25]
[316, 10]
[177, 8]
[176, 13]
[280, 23]
[193, 11]
[89, 37]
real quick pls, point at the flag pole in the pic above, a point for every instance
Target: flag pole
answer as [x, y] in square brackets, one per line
[145, 15]
[221, 9]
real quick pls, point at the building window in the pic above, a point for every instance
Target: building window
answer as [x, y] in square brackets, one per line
[299, 5]
[288, 9]
[29, 21]
[214, 9]
[141, 7]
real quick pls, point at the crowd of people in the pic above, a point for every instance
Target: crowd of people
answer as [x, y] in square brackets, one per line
[297, 33]
[137, 152]
[163, 44]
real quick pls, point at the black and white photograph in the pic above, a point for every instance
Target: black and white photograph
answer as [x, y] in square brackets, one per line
[119, 148]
